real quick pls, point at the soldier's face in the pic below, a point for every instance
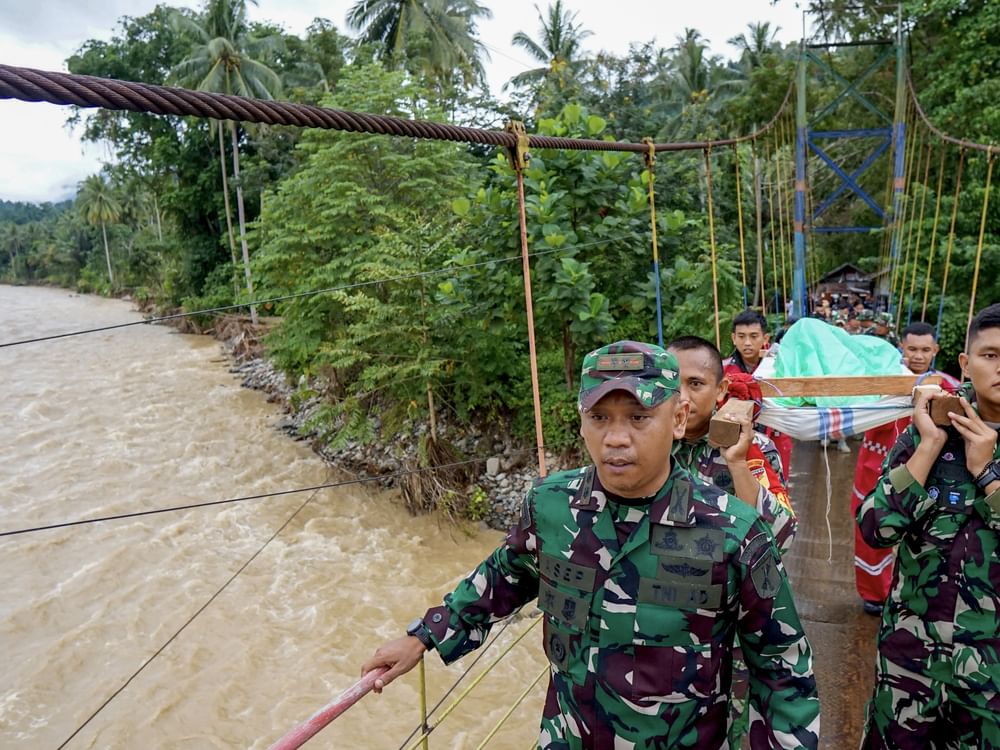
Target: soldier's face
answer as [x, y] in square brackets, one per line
[981, 364]
[630, 444]
[700, 387]
[918, 352]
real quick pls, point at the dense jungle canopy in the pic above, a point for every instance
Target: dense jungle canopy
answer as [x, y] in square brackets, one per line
[192, 214]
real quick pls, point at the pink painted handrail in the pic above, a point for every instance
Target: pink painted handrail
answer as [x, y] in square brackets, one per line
[309, 728]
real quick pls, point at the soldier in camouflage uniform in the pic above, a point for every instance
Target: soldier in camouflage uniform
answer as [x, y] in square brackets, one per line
[644, 576]
[938, 671]
[866, 322]
[749, 470]
[884, 327]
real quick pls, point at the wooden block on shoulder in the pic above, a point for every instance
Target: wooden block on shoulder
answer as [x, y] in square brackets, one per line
[941, 405]
[723, 432]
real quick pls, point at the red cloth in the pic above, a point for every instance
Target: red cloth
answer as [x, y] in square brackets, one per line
[743, 382]
[873, 567]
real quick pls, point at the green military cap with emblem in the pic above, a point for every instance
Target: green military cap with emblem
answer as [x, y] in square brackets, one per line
[866, 314]
[648, 372]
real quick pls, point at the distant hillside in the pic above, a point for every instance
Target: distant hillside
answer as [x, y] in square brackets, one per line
[24, 213]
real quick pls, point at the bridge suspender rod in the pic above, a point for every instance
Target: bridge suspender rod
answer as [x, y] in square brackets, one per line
[519, 158]
[770, 221]
[979, 244]
[650, 158]
[739, 224]
[934, 228]
[759, 226]
[782, 205]
[711, 242]
[928, 149]
[909, 211]
[951, 239]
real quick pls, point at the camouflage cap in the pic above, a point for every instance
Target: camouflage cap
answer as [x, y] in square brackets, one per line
[866, 314]
[884, 319]
[648, 372]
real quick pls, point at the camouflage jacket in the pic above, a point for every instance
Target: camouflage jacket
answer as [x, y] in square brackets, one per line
[941, 617]
[773, 504]
[639, 633]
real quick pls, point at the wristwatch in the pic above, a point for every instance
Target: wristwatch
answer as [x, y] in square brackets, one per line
[989, 474]
[419, 631]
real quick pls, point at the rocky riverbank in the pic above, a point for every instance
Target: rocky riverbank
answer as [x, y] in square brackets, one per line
[502, 477]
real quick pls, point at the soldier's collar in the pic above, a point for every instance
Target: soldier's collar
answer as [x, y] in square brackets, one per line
[674, 505]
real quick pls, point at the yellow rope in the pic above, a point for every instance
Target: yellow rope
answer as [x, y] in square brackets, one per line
[711, 241]
[650, 163]
[954, 219]
[979, 244]
[909, 210]
[920, 221]
[758, 208]
[781, 213]
[444, 714]
[790, 204]
[934, 228]
[770, 221]
[899, 209]
[739, 220]
[423, 702]
[510, 711]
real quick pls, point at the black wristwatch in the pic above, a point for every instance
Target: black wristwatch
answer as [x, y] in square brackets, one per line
[989, 474]
[419, 631]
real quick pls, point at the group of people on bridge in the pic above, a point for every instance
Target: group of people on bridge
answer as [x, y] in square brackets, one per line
[669, 621]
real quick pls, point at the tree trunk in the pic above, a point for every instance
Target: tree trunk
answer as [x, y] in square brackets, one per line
[229, 211]
[242, 218]
[107, 254]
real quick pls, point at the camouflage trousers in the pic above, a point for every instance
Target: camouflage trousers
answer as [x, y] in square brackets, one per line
[911, 711]
[739, 708]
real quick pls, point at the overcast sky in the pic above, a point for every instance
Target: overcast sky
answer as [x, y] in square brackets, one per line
[41, 159]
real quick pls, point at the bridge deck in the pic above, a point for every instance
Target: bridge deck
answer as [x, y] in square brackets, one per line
[842, 636]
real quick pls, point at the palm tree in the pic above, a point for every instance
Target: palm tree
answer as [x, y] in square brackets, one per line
[440, 33]
[98, 205]
[558, 48]
[758, 41]
[223, 61]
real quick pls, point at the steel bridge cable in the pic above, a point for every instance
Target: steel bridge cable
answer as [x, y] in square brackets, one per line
[711, 242]
[299, 295]
[245, 498]
[32, 85]
[192, 618]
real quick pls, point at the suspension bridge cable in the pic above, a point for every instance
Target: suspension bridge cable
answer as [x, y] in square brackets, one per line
[711, 241]
[920, 228]
[299, 295]
[32, 85]
[245, 498]
[192, 618]
[934, 228]
[951, 239]
[990, 158]
[739, 224]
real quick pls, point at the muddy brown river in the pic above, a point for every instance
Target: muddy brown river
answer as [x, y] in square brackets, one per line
[144, 418]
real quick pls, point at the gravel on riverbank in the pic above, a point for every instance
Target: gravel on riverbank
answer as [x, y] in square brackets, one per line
[505, 473]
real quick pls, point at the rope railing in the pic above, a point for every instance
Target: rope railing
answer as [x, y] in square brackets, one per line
[32, 85]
